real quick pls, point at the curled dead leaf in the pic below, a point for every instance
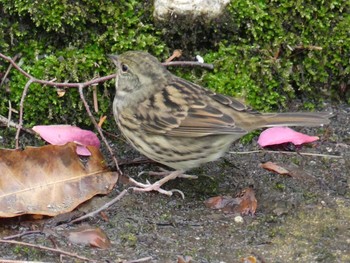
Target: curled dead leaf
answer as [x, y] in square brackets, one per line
[186, 259]
[50, 180]
[273, 167]
[60, 92]
[94, 237]
[250, 259]
[244, 203]
[176, 54]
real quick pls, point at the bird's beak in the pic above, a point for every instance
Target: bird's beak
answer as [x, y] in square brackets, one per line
[114, 58]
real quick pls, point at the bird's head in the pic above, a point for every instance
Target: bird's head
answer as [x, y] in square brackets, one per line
[139, 76]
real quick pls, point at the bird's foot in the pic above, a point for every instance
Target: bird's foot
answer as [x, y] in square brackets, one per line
[163, 172]
[140, 187]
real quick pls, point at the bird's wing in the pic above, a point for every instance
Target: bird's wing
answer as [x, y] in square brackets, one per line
[185, 109]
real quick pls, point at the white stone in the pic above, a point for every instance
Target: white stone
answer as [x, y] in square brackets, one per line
[239, 219]
[194, 8]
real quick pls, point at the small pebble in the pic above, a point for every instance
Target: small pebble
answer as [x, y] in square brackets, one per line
[239, 219]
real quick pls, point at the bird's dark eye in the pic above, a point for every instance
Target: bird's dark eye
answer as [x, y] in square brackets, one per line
[124, 68]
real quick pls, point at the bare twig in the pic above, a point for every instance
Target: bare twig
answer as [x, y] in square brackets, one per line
[176, 54]
[97, 80]
[20, 121]
[293, 153]
[17, 261]
[8, 71]
[26, 233]
[188, 64]
[102, 208]
[139, 260]
[94, 94]
[98, 128]
[309, 47]
[55, 250]
[57, 84]
[9, 123]
[9, 116]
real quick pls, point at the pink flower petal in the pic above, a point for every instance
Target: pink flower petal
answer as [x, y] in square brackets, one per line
[279, 135]
[62, 134]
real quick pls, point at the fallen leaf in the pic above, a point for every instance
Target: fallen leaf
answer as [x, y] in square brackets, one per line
[291, 170]
[248, 202]
[250, 259]
[60, 92]
[104, 216]
[62, 134]
[186, 259]
[94, 237]
[50, 180]
[176, 54]
[101, 121]
[244, 203]
[282, 135]
[273, 167]
[220, 202]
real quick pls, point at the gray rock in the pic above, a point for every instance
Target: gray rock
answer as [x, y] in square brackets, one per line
[194, 8]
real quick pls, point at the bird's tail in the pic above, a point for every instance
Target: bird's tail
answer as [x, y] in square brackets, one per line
[307, 119]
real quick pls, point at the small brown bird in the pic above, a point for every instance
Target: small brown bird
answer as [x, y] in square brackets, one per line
[180, 124]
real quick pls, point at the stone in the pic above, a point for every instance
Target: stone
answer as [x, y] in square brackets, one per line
[204, 8]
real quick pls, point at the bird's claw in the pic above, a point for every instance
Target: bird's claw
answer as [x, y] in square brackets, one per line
[147, 187]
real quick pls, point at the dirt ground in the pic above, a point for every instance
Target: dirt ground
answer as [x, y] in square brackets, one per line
[305, 219]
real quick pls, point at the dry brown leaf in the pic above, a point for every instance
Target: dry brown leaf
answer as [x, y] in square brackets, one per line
[186, 259]
[176, 54]
[50, 180]
[250, 259]
[94, 237]
[245, 203]
[248, 202]
[60, 92]
[104, 216]
[101, 121]
[273, 167]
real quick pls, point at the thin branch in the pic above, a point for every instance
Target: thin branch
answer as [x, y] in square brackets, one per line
[139, 260]
[9, 123]
[97, 80]
[188, 64]
[20, 122]
[22, 234]
[55, 250]
[293, 153]
[57, 84]
[8, 70]
[98, 128]
[309, 47]
[14, 64]
[102, 208]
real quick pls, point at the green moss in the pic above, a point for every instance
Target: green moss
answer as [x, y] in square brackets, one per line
[129, 239]
[68, 42]
[267, 54]
[280, 186]
[277, 52]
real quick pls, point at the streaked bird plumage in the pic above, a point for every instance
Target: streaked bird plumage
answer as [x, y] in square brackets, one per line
[180, 124]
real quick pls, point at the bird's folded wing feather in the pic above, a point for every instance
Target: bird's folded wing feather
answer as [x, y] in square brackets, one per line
[175, 111]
